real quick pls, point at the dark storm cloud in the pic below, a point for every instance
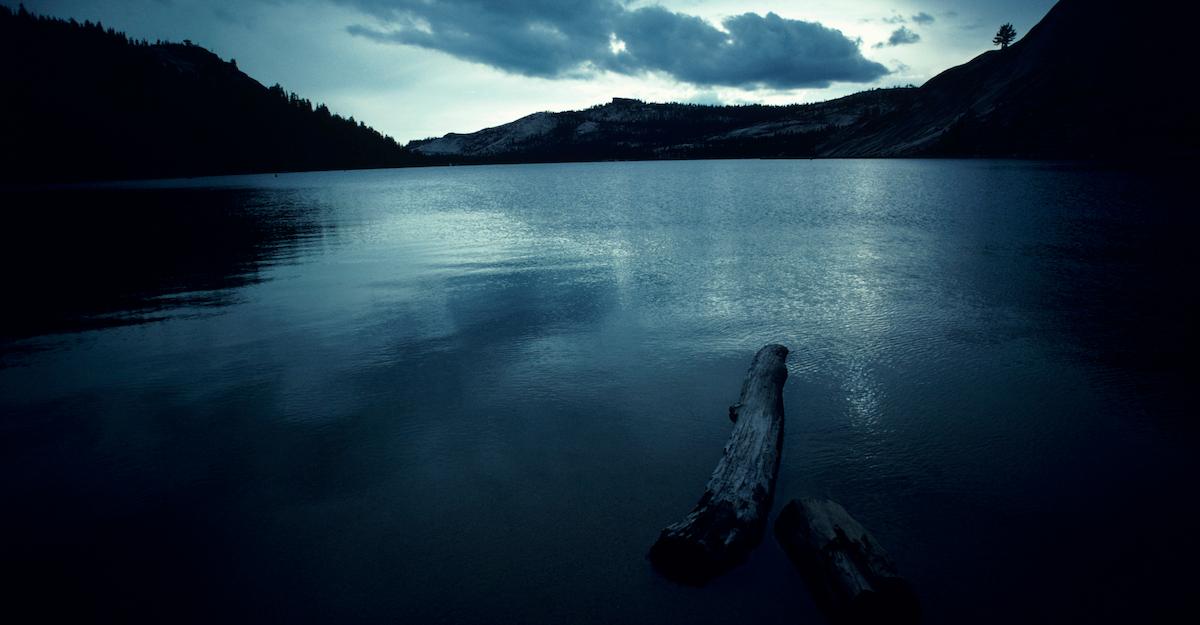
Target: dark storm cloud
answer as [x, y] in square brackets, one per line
[755, 50]
[923, 18]
[536, 38]
[553, 38]
[899, 37]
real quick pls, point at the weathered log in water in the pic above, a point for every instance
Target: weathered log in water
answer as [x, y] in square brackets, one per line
[850, 575]
[731, 515]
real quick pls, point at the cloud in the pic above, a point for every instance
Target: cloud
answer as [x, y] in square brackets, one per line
[538, 38]
[707, 97]
[754, 50]
[901, 36]
[556, 38]
[923, 18]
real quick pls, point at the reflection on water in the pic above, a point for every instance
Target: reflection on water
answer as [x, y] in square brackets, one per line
[475, 395]
[79, 260]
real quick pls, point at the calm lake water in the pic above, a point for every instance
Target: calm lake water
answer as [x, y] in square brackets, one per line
[476, 394]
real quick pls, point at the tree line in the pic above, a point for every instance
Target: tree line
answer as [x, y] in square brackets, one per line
[87, 102]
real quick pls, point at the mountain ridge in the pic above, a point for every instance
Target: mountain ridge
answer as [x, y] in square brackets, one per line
[84, 102]
[87, 102]
[1055, 93]
[625, 129]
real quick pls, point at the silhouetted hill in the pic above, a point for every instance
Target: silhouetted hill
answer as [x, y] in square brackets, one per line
[83, 102]
[632, 129]
[1096, 78]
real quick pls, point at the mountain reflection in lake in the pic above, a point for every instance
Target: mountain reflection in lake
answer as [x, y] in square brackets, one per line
[475, 395]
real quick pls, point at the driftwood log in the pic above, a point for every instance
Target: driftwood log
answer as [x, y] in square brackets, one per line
[851, 576]
[731, 516]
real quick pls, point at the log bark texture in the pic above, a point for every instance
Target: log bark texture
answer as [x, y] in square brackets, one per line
[851, 577]
[730, 518]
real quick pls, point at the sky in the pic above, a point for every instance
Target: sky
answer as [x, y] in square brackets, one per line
[422, 68]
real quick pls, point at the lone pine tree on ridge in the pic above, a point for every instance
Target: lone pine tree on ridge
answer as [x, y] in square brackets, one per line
[1004, 36]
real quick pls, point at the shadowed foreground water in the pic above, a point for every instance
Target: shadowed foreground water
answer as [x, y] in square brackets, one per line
[475, 395]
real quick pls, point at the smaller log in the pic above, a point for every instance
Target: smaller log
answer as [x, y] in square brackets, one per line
[851, 577]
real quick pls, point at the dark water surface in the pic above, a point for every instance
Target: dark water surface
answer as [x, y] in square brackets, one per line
[475, 395]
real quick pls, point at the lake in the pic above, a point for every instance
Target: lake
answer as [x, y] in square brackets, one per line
[477, 394]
